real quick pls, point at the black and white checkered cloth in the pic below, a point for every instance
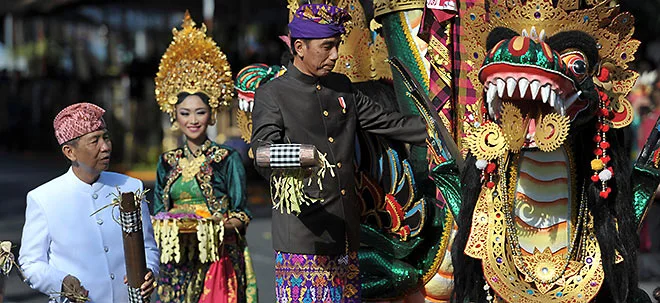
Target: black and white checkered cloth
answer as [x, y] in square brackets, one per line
[285, 155]
[131, 221]
[134, 295]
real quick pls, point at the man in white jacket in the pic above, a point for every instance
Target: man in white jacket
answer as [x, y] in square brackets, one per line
[64, 247]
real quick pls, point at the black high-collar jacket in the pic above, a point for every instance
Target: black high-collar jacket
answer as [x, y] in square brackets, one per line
[325, 112]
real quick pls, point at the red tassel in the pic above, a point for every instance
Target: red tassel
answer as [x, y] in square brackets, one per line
[604, 75]
[604, 194]
[597, 138]
[490, 167]
[605, 128]
[604, 112]
[490, 184]
[605, 159]
[598, 152]
[604, 145]
[595, 178]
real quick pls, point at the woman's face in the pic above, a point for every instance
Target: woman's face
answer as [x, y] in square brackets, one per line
[193, 116]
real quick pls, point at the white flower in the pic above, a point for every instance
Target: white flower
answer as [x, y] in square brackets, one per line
[605, 175]
[481, 164]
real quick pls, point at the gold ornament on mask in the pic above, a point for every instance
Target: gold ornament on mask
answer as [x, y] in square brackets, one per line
[513, 126]
[193, 63]
[244, 122]
[487, 142]
[551, 132]
[611, 28]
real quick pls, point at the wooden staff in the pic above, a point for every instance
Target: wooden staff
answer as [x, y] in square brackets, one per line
[136, 265]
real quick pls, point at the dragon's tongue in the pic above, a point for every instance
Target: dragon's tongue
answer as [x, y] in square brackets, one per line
[531, 129]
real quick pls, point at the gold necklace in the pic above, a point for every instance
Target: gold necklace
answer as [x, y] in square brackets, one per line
[190, 163]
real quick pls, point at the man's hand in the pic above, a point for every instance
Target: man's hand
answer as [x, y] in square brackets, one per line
[148, 286]
[73, 290]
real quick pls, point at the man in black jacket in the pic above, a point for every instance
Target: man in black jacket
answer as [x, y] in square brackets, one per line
[316, 251]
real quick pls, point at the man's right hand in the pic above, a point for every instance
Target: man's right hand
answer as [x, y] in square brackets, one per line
[73, 290]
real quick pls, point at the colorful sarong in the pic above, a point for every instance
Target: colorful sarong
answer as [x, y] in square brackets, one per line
[229, 280]
[317, 278]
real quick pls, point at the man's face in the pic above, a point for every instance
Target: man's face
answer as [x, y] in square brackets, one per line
[90, 152]
[318, 56]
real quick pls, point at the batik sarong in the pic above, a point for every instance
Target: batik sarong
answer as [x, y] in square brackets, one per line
[317, 278]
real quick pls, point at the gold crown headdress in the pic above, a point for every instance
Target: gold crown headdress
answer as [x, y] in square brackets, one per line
[193, 63]
[539, 19]
[361, 58]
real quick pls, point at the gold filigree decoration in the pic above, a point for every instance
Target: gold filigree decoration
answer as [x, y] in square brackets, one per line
[546, 266]
[193, 63]
[382, 7]
[476, 245]
[616, 47]
[551, 132]
[487, 142]
[190, 167]
[244, 123]
[617, 87]
[362, 56]
[498, 263]
[182, 161]
[513, 126]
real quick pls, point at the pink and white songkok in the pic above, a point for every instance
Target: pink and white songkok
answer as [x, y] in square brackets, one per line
[77, 120]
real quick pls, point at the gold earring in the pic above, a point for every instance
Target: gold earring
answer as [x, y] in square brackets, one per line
[552, 131]
[513, 126]
[487, 142]
[175, 126]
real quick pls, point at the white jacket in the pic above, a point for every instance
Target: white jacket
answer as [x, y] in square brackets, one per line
[61, 238]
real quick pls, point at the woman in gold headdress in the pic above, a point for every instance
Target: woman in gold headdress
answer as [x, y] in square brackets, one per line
[200, 212]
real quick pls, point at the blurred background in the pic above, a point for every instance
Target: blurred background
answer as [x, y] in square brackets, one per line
[54, 53]
[57, 52]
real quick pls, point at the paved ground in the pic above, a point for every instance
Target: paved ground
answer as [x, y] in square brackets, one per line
[20, 174]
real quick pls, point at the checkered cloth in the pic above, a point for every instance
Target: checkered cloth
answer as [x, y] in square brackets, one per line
[285, 155]
[450, 98]
[131, 222]
[134, 295]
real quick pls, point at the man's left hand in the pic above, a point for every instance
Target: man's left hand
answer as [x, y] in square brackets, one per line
[148, 286]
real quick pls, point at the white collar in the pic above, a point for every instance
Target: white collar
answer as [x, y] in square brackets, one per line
[81, 185]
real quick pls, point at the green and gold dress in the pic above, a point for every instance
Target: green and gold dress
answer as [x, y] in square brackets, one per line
[200, 260]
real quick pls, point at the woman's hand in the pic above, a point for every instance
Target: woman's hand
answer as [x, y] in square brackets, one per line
[231, 225]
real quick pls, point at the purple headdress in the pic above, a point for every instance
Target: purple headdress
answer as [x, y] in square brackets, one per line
[317, 21]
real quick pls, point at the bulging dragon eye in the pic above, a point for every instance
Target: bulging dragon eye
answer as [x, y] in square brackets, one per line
[576, 63]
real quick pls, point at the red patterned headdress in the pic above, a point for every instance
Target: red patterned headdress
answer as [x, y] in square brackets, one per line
[77, 120]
